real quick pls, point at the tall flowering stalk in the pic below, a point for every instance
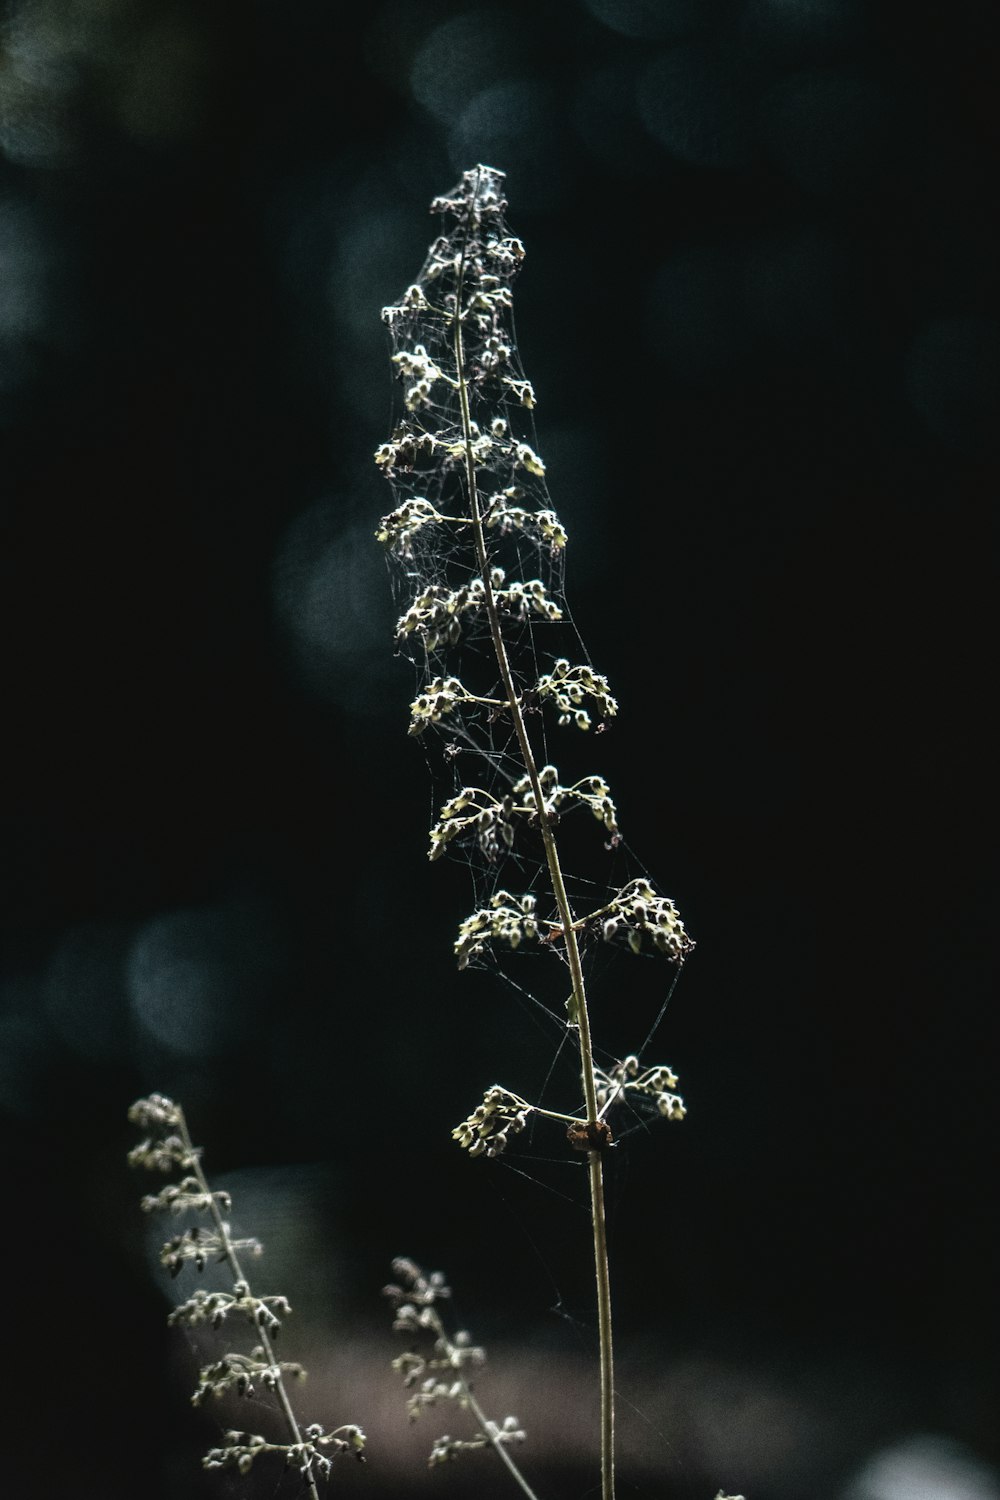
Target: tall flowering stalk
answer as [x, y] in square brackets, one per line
[168, 1149]
[479, 553]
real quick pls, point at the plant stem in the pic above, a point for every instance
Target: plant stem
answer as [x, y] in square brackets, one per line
[594, 1161]
[232, 1260]
[499, 1448]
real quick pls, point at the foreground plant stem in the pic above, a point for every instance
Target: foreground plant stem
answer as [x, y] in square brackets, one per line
[232, 1260]
[594, 1160]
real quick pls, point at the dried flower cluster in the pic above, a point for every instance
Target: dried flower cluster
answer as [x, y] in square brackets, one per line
[492, 1123]
[436, 1365]
[478, 550]
[310, 1451]
[628, 1078]
[492, 819]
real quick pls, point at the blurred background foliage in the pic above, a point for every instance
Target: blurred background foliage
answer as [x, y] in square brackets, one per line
[760, 314]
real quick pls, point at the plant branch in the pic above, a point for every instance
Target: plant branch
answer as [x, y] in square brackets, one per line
[232, 1260]
[489, 1432]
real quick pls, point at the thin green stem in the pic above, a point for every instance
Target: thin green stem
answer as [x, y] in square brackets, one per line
[498, 1447]
[232, 1260]
[566, 918]
[549, 1114]
[487, 1427]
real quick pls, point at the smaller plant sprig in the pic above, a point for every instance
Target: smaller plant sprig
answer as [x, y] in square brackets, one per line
[168, 1148]
[436, 1366]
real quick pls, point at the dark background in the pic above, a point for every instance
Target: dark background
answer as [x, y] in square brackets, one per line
[760, 314]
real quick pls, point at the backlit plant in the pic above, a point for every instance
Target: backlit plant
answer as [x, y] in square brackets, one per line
[478, 553]
[207, 1239]
[477, 557]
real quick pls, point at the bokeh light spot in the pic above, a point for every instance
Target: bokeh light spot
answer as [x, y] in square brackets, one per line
[460, 58]
[652, 19]
[145, 70]
[831, 130]
[607, 120]
[806, 30]
[197, 978]
[289, 1208]
[161, 94]
[182, 1002]
[795, 287]
[515, 127]
[24, 1050]
[24, 315]
[22, 257]
[332, 607]
[40, 58]
[84, 990]
[689, 103]
[924, 1467]
[364, 266]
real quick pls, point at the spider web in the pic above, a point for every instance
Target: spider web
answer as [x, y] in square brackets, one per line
[439, 573]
